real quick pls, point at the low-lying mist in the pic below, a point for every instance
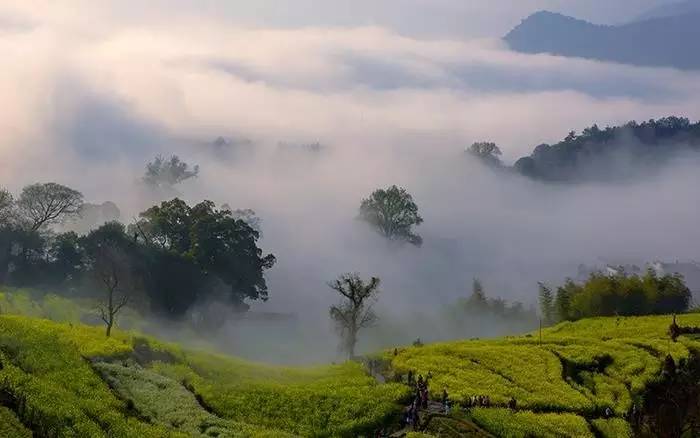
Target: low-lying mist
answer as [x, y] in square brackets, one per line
[97, 102]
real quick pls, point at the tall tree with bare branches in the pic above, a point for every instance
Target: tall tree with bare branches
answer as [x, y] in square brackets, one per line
[354, 312]
[49, 203]
[111, 269]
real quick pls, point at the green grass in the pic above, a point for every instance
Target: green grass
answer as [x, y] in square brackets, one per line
[524, 424]
[613, 428]
[158, 399]
[338, 400]
[58, 374]
[10, 425]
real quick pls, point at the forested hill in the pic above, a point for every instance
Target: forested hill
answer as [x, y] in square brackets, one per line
[613, 153]
[667, 41]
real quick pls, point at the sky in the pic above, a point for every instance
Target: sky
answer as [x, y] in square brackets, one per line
[393, 90]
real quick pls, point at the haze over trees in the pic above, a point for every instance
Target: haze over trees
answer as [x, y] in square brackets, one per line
[354, 312]
[487, 152]
[163, 174]
[469, 314]
[392, 213]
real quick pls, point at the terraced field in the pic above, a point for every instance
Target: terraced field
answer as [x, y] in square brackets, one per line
[64, 379]
[563, 383]
[69, 380]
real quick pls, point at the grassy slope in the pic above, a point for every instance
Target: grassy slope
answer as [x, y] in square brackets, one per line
[56, 376]
[561, 385]
[577, 371]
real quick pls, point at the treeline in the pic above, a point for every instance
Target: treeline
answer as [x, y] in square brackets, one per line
[611, 153]
[173, 256]
[614, 295]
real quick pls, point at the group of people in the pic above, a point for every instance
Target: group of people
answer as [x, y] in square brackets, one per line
[479, 401]
[420, 401]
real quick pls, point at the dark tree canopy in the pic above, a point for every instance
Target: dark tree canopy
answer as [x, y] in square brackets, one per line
[393, 213]
[354, 312]
[49, 203]
[174, 256]
[219, 244]
[614, 153]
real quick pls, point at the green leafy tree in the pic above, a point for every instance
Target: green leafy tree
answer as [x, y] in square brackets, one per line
[354, 312]
[228, 248]
[562, 302]
[393, 213]
[220, 245]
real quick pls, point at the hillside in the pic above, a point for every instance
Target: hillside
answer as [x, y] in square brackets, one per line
[67, 379]
[633, 150]
[667, 41]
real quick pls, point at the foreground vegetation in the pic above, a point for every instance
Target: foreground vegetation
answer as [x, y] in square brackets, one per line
[64, 379]
[577, 379]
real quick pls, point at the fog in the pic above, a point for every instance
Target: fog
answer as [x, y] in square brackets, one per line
[89, 98]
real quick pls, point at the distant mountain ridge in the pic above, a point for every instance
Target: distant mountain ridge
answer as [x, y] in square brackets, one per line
[669, 41]
[674, 9]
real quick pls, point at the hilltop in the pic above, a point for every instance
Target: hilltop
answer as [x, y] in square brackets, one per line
[579, 379]
[665, 41]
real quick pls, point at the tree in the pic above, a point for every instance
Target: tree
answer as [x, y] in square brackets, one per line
[248, 216]
[488, 152]
[477, 301]
[214, 241]
[227, 247]
[110, 265]
[46, 204]
[393, 213]
[546, 303]
[6, 206]
[162, 173]
[355, 309]
[562, 302]
[67, 256]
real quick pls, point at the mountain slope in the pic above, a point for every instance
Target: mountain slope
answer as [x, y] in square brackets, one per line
[674, 9]
[668, 41]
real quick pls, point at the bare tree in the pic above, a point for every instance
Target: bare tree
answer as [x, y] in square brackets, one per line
[355, 310]
[112, 271]
[45, 204]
